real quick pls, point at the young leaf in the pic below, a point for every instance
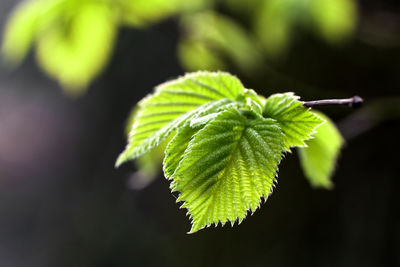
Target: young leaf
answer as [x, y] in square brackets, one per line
[173, 103]
[319, 158]
[226, 168]
[297, 122]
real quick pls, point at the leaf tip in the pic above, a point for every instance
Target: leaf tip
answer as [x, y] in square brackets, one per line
[122, 158]
[195, 228]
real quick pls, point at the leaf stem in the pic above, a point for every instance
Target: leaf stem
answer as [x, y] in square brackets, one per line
[353, 102]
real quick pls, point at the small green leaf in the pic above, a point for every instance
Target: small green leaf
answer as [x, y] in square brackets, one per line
[297, 122]
[217, 37]
[319, 158]
[174, 103]
[226, 168]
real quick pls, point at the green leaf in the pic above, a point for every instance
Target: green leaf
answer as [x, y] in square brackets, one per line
[216, 37]
[174, 103]
[332, 27]
[78, 44]
[273, 23]
[23, 26]
[319, 158]
[297, 122]
[227, 167]
[195, 55]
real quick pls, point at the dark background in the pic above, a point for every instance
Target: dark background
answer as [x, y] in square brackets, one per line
[62, 203]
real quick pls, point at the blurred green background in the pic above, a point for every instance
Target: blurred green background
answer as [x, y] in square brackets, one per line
[72, 71]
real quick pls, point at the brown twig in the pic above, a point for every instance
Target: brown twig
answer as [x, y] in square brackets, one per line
[353, 102]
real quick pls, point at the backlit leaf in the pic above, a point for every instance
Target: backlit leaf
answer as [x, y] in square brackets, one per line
[226, 169]
[23, 26]
[77, 55]
[174, 103]
[319, 158]
[297, 122]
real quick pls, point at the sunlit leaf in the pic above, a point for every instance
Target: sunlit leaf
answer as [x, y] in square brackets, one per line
[319, 158]
[225, 143]
[22, 27]
[176, 149]
[297, 122]
[226, 168]
[76, 56]
[173, 103]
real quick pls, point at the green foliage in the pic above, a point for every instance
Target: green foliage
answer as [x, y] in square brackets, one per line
[76, 46]
[217, 38]
[332, 27]
[226, 142]
[319, 158]
[74, 39]
[211, 40]
[277, 21]
[140, 13]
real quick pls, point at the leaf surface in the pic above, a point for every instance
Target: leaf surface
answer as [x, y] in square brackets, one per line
[319, 158]
[226, 168]
[297, 122]
[174, 103]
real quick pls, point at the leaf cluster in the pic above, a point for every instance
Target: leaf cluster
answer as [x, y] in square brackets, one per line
[225, 142]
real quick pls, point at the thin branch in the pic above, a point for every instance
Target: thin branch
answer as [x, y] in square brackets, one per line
[353, 102]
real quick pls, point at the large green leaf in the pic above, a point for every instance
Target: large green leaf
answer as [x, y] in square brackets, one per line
[174, 103]
[226, 168]
[319, 158]
[297, 122]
